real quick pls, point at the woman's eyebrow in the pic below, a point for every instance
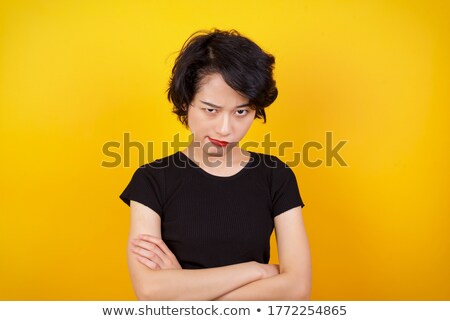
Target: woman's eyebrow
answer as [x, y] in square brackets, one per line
[215, 106]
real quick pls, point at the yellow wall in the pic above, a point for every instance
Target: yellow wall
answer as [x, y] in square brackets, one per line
[77, 74]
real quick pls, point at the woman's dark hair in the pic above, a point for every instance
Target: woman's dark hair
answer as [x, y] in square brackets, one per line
[244, 66]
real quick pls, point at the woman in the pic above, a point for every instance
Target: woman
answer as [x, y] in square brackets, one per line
[201, 218]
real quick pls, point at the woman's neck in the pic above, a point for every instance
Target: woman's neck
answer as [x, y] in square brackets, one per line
[230, 160]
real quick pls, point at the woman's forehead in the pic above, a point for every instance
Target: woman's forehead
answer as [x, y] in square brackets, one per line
[216, 91]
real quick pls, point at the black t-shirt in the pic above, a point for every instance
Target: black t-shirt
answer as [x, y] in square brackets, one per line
[210, 221]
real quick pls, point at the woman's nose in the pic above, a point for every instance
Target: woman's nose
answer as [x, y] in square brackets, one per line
[224, 125]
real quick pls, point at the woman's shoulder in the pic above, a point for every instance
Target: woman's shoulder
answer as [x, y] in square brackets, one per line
[172, 160]
[161, 167]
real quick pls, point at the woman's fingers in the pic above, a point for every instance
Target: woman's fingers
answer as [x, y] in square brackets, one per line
[157, 241]
[160, 243]
[150, 264]
[153, 249]
[149, 251]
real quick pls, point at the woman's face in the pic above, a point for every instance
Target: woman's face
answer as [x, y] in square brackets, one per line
[218, 117]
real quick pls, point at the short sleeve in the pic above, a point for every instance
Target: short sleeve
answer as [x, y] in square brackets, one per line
[146, 187]
[284, 190]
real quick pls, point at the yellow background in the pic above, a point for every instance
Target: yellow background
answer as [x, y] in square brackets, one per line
[77, 74]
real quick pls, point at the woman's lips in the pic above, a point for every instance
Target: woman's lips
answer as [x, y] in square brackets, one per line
[218, 142]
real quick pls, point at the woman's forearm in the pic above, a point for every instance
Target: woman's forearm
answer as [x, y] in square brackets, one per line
[284, 286]
[201, 284]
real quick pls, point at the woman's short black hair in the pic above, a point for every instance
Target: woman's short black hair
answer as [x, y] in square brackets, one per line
[244, 66]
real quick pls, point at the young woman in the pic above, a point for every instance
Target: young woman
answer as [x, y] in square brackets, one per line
[201, 218]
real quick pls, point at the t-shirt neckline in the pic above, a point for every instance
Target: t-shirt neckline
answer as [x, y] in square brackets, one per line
[205, 173]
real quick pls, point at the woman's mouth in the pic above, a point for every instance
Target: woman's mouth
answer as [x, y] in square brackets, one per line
[218, 142]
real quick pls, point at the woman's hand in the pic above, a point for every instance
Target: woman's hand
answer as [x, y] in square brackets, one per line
[154, 253]
[269, 270]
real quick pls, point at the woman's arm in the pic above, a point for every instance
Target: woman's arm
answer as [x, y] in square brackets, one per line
[294, 280]
[178, 284]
